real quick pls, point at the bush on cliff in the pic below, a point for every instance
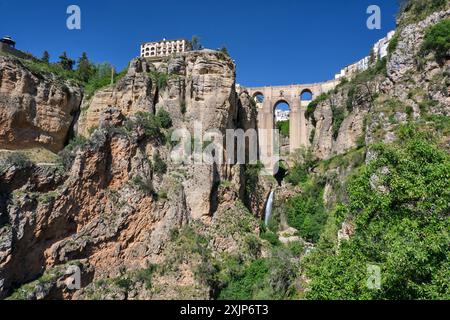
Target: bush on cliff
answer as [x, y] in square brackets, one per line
[416, 10]
[399, 205]
[437, 40]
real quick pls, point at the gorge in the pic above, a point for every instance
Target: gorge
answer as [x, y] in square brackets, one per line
[87, 179]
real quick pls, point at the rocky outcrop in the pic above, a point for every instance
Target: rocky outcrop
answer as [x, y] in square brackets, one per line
[110, 209]
[411, 86]
[36, 109]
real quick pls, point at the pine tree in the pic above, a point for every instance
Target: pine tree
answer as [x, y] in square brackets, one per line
[65, 62]
[85, 69]
[46, 57]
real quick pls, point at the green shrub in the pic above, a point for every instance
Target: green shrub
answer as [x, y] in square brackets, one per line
[437, 40]
[15, 159]
[350, 98]
[146, 275]
[412, 11]
[67, 155]
[401, 225]
[271, 237]
[251, 175]
[242, 286]
[296, 248]
[338, 118]
[393, 43]
[144, 184]
[148, 122]
[164, 119]
[306, 212]
[283, 127]
[159, 79]
[159, 166]
[309, 113]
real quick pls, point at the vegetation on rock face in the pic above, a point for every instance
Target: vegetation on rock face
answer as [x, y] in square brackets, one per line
[437, 40]
[399, 205]
[309, 113]
[91, 76]
[283, 127]
[306, 212]
[17, 160]
[412, 11]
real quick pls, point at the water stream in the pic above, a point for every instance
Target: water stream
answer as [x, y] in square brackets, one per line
[269, 208]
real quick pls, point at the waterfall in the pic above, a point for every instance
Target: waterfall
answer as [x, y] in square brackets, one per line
[269, 208]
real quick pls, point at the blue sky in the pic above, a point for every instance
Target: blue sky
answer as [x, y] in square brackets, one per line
[273, 42]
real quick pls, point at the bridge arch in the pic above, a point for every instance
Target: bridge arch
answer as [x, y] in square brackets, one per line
[258, 97]
[306, 95]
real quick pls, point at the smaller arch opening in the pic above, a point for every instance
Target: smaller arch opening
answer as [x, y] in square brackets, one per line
[259, 97]
[306, 95]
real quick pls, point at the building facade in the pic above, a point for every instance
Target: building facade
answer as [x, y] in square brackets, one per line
[164, 48]
[379, 51]
[281, 115]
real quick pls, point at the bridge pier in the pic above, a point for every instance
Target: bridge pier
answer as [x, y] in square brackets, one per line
[298, 132]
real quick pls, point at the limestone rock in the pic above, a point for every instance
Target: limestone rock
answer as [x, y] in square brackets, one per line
[36, 110]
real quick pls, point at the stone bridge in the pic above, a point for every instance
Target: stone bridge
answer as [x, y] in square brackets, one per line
[297, 97]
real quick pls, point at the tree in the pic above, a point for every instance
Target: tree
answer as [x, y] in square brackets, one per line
[85, 69]
[398, 204]
[224, 50]
[195, 43]
[65, 62]
[45, 57]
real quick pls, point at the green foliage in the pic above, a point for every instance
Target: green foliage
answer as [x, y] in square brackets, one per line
[350, 98]
[251, 176]
[67, 155]
[306, 212]
[393, 43]
[39, 67]
[399, 205]
[159, 166]
[262, 279]
[148, 122]
[380, 68]
[196, 43]
[283, 126]
[183, 107]
[412, 11]
[65, 62]
[296, 248]
[300, 171]
[164, 119]
[338, 118]
[146, 275]
[99, 76]
[159, 79]
[144, 184]
[224, 51]
[309, 113]
[14, 159]
[242, 285]
[271, 237]
[45, 57]
[437, 40]
[85, 70]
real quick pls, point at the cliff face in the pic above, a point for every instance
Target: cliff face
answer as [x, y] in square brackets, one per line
[368, 109]
[140, 225]
[109, 208]
[36, 110]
